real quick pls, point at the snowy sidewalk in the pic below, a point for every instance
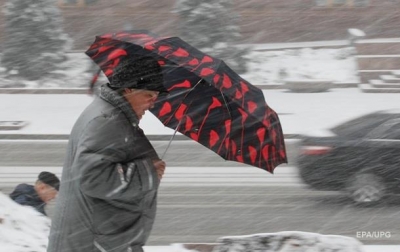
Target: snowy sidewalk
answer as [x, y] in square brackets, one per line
[299, 113]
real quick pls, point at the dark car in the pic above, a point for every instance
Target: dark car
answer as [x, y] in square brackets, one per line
[361, 157]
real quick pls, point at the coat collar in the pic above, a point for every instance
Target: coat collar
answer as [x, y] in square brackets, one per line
[117, 100]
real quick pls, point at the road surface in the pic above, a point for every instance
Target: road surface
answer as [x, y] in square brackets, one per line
[202, 214]
[203, 197]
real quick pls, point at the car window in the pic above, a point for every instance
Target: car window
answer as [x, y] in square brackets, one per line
[387, 130]
[360, 127]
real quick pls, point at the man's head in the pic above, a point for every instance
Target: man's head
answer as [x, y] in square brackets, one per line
[138, 72]
[47, 186]
[140, 80]
[140, 100]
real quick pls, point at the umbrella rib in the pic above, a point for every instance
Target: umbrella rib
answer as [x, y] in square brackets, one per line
[179, 123]
[170, 140]
[226, 104]
[230, 116]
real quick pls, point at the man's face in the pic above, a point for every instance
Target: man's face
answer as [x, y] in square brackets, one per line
[141, 100]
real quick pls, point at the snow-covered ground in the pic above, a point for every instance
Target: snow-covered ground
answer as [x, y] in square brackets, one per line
[264, 68]
[273, 67]
[299, 113]
[22, 228]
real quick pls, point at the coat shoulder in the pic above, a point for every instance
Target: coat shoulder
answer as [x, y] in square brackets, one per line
[102, 126]
[22, 189]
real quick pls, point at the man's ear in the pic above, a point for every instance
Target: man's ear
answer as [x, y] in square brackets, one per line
[39, 185]
[127, 90]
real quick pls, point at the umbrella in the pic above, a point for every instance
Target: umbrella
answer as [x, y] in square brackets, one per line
[208, 101]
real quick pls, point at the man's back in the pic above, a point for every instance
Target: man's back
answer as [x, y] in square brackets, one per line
[26, 195]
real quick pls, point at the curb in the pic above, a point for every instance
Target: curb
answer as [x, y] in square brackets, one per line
[44, 91]
[66, 137]
[85, 90]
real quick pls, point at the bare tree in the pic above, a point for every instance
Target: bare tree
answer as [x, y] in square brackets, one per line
[211, 25]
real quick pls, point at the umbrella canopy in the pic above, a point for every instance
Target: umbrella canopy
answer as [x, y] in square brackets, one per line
[207, 100]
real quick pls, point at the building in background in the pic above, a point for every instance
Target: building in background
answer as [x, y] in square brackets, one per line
[261, 21]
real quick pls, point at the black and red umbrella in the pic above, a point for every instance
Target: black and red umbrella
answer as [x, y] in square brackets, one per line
[207, 100]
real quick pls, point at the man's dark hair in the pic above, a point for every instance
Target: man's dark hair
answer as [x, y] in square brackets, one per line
[49, 179]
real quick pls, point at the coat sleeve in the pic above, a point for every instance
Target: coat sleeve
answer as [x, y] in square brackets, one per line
[100, 156]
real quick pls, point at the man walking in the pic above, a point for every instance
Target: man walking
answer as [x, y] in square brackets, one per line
[110, 178]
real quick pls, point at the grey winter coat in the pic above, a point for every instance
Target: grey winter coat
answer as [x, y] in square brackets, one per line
[107, 199]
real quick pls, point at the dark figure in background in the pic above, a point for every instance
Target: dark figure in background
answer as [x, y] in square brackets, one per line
[111, 175]
[43, 192]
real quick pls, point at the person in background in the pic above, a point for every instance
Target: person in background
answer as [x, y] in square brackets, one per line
[43, 192]
[111, 174]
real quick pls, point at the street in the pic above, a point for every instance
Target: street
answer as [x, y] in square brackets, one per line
[203, 197]
[180, 153]
[22, 160]
[202, 214]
